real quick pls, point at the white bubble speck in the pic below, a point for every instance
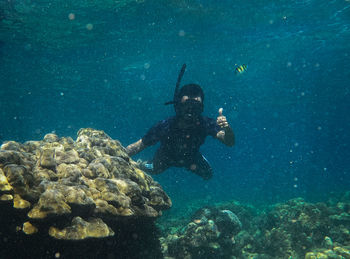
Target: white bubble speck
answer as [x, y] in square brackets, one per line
[71, 16]
[89, 26]
[61, 93]
[193, 167]
[182, 33]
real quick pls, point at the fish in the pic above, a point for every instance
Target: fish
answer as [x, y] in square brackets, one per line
[241, 69]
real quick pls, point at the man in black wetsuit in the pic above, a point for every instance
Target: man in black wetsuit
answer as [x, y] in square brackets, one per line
[182, 135]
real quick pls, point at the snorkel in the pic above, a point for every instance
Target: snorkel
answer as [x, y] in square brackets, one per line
[176, 93]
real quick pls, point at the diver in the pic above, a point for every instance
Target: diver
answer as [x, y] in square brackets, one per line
[182, 135]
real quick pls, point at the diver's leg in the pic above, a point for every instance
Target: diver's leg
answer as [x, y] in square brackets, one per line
[160, 162]
[157, 165]
[201, 167]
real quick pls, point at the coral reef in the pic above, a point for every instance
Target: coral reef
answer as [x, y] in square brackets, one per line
[74, 190]
[87, 198]
[337, 252]
[294, 229]
[211, 232]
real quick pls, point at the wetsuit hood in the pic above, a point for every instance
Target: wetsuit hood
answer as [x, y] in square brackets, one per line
[190, 108]
[190, 90]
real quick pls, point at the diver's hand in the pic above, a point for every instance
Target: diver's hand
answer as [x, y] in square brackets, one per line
[221, 120]
[225, 135]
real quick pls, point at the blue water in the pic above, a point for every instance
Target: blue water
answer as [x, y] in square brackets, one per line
[111, 66]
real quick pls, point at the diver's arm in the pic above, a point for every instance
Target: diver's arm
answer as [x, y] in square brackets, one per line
[135, 148]
[225, 135]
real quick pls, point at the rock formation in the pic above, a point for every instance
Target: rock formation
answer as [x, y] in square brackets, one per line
[60, 189]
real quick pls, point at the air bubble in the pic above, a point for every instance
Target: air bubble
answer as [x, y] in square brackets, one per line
[182, 33]
[89, 26]
[71, 16]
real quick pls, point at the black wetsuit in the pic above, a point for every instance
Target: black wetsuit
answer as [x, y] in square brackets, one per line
[180, 147]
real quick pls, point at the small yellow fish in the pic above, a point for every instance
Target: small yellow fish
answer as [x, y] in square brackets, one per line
[241, 69]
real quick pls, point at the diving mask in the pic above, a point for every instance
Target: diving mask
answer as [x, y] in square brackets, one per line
[189, 109]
